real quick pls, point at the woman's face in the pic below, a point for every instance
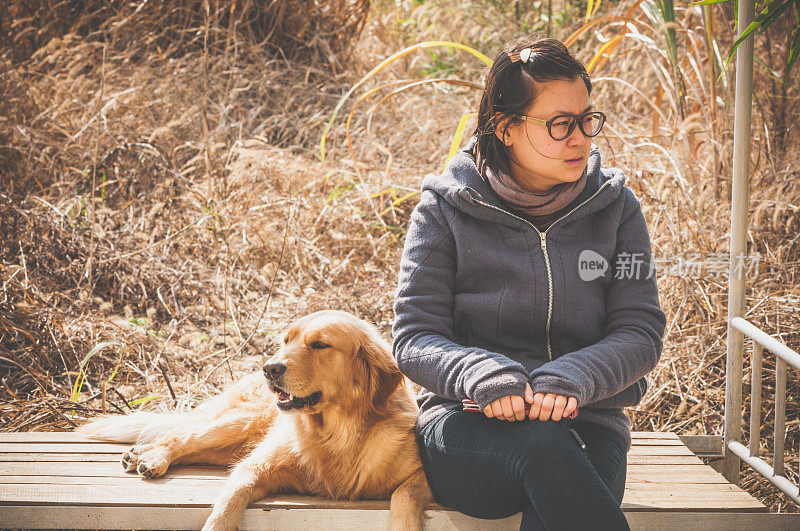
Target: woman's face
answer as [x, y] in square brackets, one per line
[537, 161]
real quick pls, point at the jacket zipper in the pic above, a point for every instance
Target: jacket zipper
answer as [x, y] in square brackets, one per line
[543, 236]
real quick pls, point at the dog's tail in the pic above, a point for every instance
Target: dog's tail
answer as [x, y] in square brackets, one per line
[140, 427]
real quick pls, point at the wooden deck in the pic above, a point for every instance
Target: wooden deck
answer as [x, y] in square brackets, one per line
[56, 480]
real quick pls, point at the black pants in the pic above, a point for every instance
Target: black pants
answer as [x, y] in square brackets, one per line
[490, 468]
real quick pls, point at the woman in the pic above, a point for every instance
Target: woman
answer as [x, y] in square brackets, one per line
[526, 280]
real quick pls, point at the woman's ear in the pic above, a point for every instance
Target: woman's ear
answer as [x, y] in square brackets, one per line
[501, 130]
[384, 375]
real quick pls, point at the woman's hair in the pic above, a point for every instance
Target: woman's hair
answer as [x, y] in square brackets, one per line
[510, 90]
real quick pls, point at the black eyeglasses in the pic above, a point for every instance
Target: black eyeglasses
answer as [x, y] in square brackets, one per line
[561, 126]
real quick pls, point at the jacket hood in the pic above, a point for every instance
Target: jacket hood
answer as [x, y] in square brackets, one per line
[461, 185]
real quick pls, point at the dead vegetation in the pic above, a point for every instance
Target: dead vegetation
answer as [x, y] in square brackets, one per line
[162, 205]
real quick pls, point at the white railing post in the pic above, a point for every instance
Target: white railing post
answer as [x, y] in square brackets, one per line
[755, 398]
[783, 356]
[740, 191]
[780, 416]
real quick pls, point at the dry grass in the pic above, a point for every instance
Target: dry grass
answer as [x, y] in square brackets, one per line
[159, 188]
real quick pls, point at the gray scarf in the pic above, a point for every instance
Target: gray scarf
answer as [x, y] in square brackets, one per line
[532, 203]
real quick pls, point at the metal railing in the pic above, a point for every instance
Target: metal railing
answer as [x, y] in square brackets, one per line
[738, 327]
[750, 455]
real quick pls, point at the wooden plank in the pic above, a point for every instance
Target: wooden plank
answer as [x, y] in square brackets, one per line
[43, 436]
[641, 455]
[678, 473]
[641, 442]
[663, 460]
[33, 438]
[158, 495]
[652, 446]
[9, 442]
[99, 472]
[713, 489]
[153, 492]
[346, 520]
[664, 455]
[99, 446]
[82, 455]
[69, 436]
[193, 518]
[178, 495]
[135, 495]
[633, 458]
[646, 503]
[673, 478]
[130, 480]
[99, 469]
[55, 457]
[712, 521]
[703, 444]
[653, 435]
[49, 448]
[659, 450]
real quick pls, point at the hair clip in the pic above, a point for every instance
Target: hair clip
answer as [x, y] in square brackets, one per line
[525, 55]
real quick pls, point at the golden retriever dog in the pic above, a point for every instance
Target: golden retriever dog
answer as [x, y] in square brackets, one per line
[331, 415]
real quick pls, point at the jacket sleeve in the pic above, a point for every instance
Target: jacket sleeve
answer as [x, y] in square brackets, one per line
[630, 396]
[423, 339]
[635, 324]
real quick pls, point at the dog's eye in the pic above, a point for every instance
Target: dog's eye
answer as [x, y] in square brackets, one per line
[317, 345]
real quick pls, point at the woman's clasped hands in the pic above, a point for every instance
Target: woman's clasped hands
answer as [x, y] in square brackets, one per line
[543, 406]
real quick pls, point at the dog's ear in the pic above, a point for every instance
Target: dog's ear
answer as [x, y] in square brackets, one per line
[384, 375]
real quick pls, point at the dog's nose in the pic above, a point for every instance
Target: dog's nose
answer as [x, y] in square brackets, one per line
[273, 371]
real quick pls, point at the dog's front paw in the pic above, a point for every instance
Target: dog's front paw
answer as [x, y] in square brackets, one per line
[130, 460]
[152, 463]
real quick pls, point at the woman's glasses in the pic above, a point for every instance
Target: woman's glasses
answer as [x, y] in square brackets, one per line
[561, 126]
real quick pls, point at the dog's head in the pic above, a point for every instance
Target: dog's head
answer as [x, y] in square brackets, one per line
[332, 358]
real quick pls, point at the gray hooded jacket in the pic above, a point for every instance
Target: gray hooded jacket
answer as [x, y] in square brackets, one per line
[486, 302]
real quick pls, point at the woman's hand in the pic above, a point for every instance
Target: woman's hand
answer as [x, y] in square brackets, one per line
[543, 406]
[547, 406]
[510, 408]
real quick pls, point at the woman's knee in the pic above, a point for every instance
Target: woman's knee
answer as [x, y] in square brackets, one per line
[548, 448]
[474, 483]
[549, 437]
